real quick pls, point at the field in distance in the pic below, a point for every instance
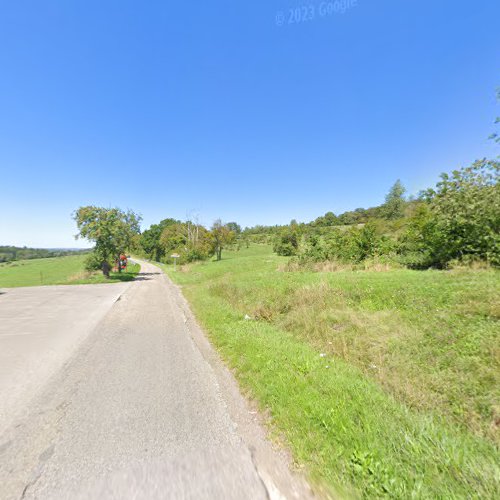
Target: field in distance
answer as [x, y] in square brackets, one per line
[57, 271]
[383, 384]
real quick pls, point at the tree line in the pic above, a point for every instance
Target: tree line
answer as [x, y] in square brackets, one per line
[114, 231]
[457, 221]
[13, 253]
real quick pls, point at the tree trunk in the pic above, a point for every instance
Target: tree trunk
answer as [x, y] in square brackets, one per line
[105, 269]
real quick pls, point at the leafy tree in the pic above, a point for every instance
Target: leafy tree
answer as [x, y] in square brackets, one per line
[201, 247]
[191, 241]
[287, 242]
[367, 242]
[150, 239]
[465, 215]
[234, 227]
[422, 245]
[221, 236]
[111, 229]
[357, 216]
[174, 238]
[394, 205]
[329, 219]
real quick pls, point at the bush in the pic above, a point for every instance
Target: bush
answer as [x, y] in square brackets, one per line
[459, 221]
[287, 243]
[352, 246]
[93, 262]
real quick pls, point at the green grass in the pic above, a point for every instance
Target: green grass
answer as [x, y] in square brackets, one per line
[403, 402]
[57, 271]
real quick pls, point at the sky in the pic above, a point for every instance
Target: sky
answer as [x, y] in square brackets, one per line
[256, 112]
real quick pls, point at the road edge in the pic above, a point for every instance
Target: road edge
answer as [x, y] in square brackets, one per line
[273, 463]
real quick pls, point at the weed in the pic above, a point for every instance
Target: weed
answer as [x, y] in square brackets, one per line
[404, 402]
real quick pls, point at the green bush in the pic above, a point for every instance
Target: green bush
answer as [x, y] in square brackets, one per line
[93, 262]
[459, 221]
[287, 243]
[352, 246]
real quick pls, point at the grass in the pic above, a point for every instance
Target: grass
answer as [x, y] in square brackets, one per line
[403, 402]
[57, 271]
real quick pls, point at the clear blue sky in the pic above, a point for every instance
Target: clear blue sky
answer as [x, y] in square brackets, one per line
[169, 107]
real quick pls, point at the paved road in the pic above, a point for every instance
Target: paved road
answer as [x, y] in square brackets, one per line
[40, 327]
[143, 409]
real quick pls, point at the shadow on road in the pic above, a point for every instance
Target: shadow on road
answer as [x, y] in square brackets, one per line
[145, 276]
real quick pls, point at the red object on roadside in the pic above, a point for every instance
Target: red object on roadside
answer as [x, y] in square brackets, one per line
[123, 261]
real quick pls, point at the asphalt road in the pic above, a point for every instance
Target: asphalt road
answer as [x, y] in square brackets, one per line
[141, 408]
[40, 328]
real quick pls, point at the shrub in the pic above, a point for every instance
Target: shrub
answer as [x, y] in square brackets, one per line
[93, 262]
[287, 243]
[459, 221]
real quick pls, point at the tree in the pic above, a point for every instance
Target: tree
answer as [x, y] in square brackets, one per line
[111, 229]
[150, 239]
[465, 214]
[330, 219]
[394, 205]
[348, 218]
[234, 227]
[174, 238]
[221, 236]
[286, 243]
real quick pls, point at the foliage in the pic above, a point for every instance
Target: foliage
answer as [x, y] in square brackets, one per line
[329, 219]
[352, 246]
[234, 227]
[402, 402]
[150, 239]
[458, 221]
[462, 219]
[394, 205]
[12, 253]
[190, 241]
[92, 262]
[221, 237]
[111, 229]
[287, 242]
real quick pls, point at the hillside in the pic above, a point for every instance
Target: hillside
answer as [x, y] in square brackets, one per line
[65, 270]
[10, 253]
[382, 383]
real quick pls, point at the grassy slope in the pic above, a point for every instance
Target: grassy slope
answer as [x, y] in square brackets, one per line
[56, 271]
[401, 405]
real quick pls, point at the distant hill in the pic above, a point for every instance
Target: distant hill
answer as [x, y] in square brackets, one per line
[10, 253]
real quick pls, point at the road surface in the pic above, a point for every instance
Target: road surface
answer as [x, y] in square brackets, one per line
[40, 327]
[141, 408]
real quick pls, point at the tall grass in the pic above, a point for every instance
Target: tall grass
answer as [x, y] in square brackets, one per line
[402, 402]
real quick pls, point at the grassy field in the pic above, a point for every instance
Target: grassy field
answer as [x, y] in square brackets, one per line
[56, 271]
[381, 383]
